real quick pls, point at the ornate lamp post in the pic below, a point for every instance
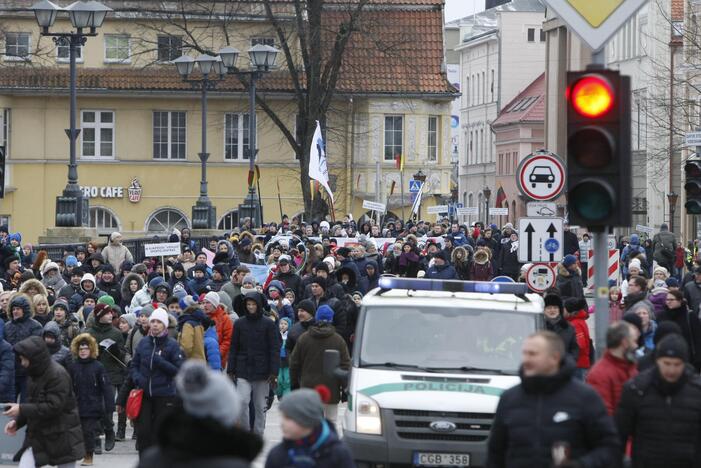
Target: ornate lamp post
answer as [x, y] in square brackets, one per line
[672, 199]
[72, 208]
[262, 58]
[487, 192]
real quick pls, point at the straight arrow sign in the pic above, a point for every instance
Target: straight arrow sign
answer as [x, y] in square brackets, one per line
[530, 230]
[552, 230]
[542, 241]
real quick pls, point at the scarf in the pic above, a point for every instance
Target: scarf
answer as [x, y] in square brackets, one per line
[302, 454]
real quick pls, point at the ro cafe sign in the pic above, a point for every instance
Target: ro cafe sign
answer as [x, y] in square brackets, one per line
[134, 191]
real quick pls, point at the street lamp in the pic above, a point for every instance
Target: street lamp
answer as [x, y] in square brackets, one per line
[72, 208]
[672, 199]
[262, 58]
[204, 213]
[420, 177]
[487, 193]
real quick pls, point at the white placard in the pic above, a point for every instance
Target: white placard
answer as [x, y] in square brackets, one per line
[374, 206]
[646, 229]
[499, 211]
[467, 211]
[437, 209]
[693, 139]
[544, 209]
[164, 249]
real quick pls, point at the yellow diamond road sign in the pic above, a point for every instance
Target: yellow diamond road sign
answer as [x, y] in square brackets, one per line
[595, 21]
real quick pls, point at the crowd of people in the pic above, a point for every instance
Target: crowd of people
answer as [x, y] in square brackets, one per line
[83, 331]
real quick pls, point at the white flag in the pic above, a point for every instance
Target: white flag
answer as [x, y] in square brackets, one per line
[318, 170]
[417, 201]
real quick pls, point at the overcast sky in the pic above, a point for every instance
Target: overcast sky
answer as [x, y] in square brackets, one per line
[455, 9]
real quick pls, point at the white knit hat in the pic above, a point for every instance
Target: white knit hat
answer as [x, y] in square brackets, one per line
[213, 298]
[160, 315]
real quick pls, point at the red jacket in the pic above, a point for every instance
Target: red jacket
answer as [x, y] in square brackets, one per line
[608, 376]
[579, 322]
[224, 331]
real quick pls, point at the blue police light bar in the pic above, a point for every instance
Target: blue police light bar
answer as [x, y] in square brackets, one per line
[388, 282]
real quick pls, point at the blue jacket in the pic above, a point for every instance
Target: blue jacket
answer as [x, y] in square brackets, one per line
[7, 372]
[155, 363]
[201, 286]
[445, 272]
[348, 263]
[327, 451]
[459, 238]
[211, 348]
[92, 388]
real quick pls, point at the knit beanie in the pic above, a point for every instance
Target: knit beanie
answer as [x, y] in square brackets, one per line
[160, 315]
[635, 263]
[106, 299]
[147, 310]
[71, 261]
[673, 346]
[324, 314]
[187, 301]
[155, 282]
[672, 282]
[61, 303]
[179, 291]
[308, 306]
[130, 319]
[320, 281]
[101, 310]
[553, 300]
[213, 298]
[249, 279]
[304, 407]
[665, 328]
[569, 260]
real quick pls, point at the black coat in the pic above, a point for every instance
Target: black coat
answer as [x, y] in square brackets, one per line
[7, 372]
[664, 420]
[92, 388]
[18, 330]
[691, 330]
[332, 453]
[692, 294]
[569, 283]
[543, 410]
[184, 442]
[51, 413]
[295, 332]
[113, 357]
[568, 334]
[255, 347]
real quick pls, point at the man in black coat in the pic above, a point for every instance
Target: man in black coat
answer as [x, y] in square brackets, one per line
[305, 319]
[254, 359]
[661, 410]
[555, 322]
[549, 406]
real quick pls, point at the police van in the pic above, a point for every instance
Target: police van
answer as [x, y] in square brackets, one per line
[430, 360]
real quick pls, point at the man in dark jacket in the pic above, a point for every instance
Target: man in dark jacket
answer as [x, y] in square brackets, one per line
[305, 319]
[307, 436]
[508, 258]
[287, 275]
[109, 284]
[549, 406]
[307, 360]
[661, 410]
[441, 268]
[692, 292]
[569, 279]
[21, 326]
[663, 245]
[54, 436]
[555, 322]
[72, 285]
[111, 343]
[254, 359]
[343, 255]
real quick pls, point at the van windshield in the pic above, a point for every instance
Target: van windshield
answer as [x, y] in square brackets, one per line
[444, 339]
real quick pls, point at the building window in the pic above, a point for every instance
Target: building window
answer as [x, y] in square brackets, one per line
[433, 138]
[17, 45]
[515, 164]
[63, 52]
[531, 34]
[169, 48]
[269, 41]
[483, 154]
[491, 86]
[117, 49]
[97, 134]
[103, 220]
[236, 137]
[394, 136]
[467, 94]
[167, 219]
[169, 130]
[5, 131]
[229, 221]
[542, 35]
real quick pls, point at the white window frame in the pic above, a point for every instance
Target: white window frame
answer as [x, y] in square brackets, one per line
[432, 150]
[15, 58]
[229, 214]
[94, 210]
[241, 131]
[5, 130]
[118, 36]
[265, 40]
[155, 212]
[170, 136]
[79, 59]
[97, 125]
[384, 142]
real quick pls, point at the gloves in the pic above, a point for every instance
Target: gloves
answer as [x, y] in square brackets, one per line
[272, 380]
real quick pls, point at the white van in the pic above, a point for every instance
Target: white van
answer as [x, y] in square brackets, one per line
[430, 360]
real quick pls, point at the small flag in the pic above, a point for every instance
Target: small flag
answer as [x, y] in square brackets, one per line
[399, 161]
[253, 176]
[501, 197]
[417, 201]
[318, 170]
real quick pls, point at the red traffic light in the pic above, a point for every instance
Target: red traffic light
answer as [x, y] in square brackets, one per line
[592, 96]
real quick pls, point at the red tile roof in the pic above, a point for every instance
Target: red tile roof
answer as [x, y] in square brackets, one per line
[395, 51]
[528, 106]
[677, 10]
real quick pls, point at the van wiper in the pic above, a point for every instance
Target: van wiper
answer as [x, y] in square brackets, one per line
[471, 369]
[396, 365]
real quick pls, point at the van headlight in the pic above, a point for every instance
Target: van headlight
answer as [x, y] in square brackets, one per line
[367, 415]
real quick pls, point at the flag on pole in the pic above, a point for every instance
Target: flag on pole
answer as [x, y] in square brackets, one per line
[318, 170]
[501, 197]
[417, 200]
[399, 161]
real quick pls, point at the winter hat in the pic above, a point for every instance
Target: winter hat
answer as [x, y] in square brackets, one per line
[672, 346]
[320, 281]
[106, 299]
[11, 259]
[443, 255]
[635, 263]
[179, 291]
[343, 252]
[661, 269]
[187, 301]
[665, 328]
[672, 282]
[635, 320]
[107, 267]
[48, 267]
[308, 306]
[572, 304]
[160, 315]
[199, 267]
[21, 300]
[284, 258]
[553, 300]
[324, 314]
[207, 394]
[221, 268]
[213, 298]
[569, 260]
[147, 310]
[130, 319]
[155, 282]
[330, 262]
[249, 279]
[139, 268]
[114, 235]
[60, 303]
[101, 310]
[245, 241]
[15, 237]
[304, 407]
[225, 300]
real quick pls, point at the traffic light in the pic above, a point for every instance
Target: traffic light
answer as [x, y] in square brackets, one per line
[598, 148]
[692, 186]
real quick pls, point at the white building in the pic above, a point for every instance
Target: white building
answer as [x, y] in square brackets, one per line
[502, 50]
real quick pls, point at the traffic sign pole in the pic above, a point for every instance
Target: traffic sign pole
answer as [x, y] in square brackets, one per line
[601, 318]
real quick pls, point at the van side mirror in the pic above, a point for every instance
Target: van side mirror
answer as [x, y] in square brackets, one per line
[332, 361]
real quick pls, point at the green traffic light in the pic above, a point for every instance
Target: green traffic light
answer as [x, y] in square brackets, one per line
[592, 201]
[693, 207]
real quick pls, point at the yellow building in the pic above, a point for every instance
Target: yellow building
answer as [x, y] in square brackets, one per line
[140, 124]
